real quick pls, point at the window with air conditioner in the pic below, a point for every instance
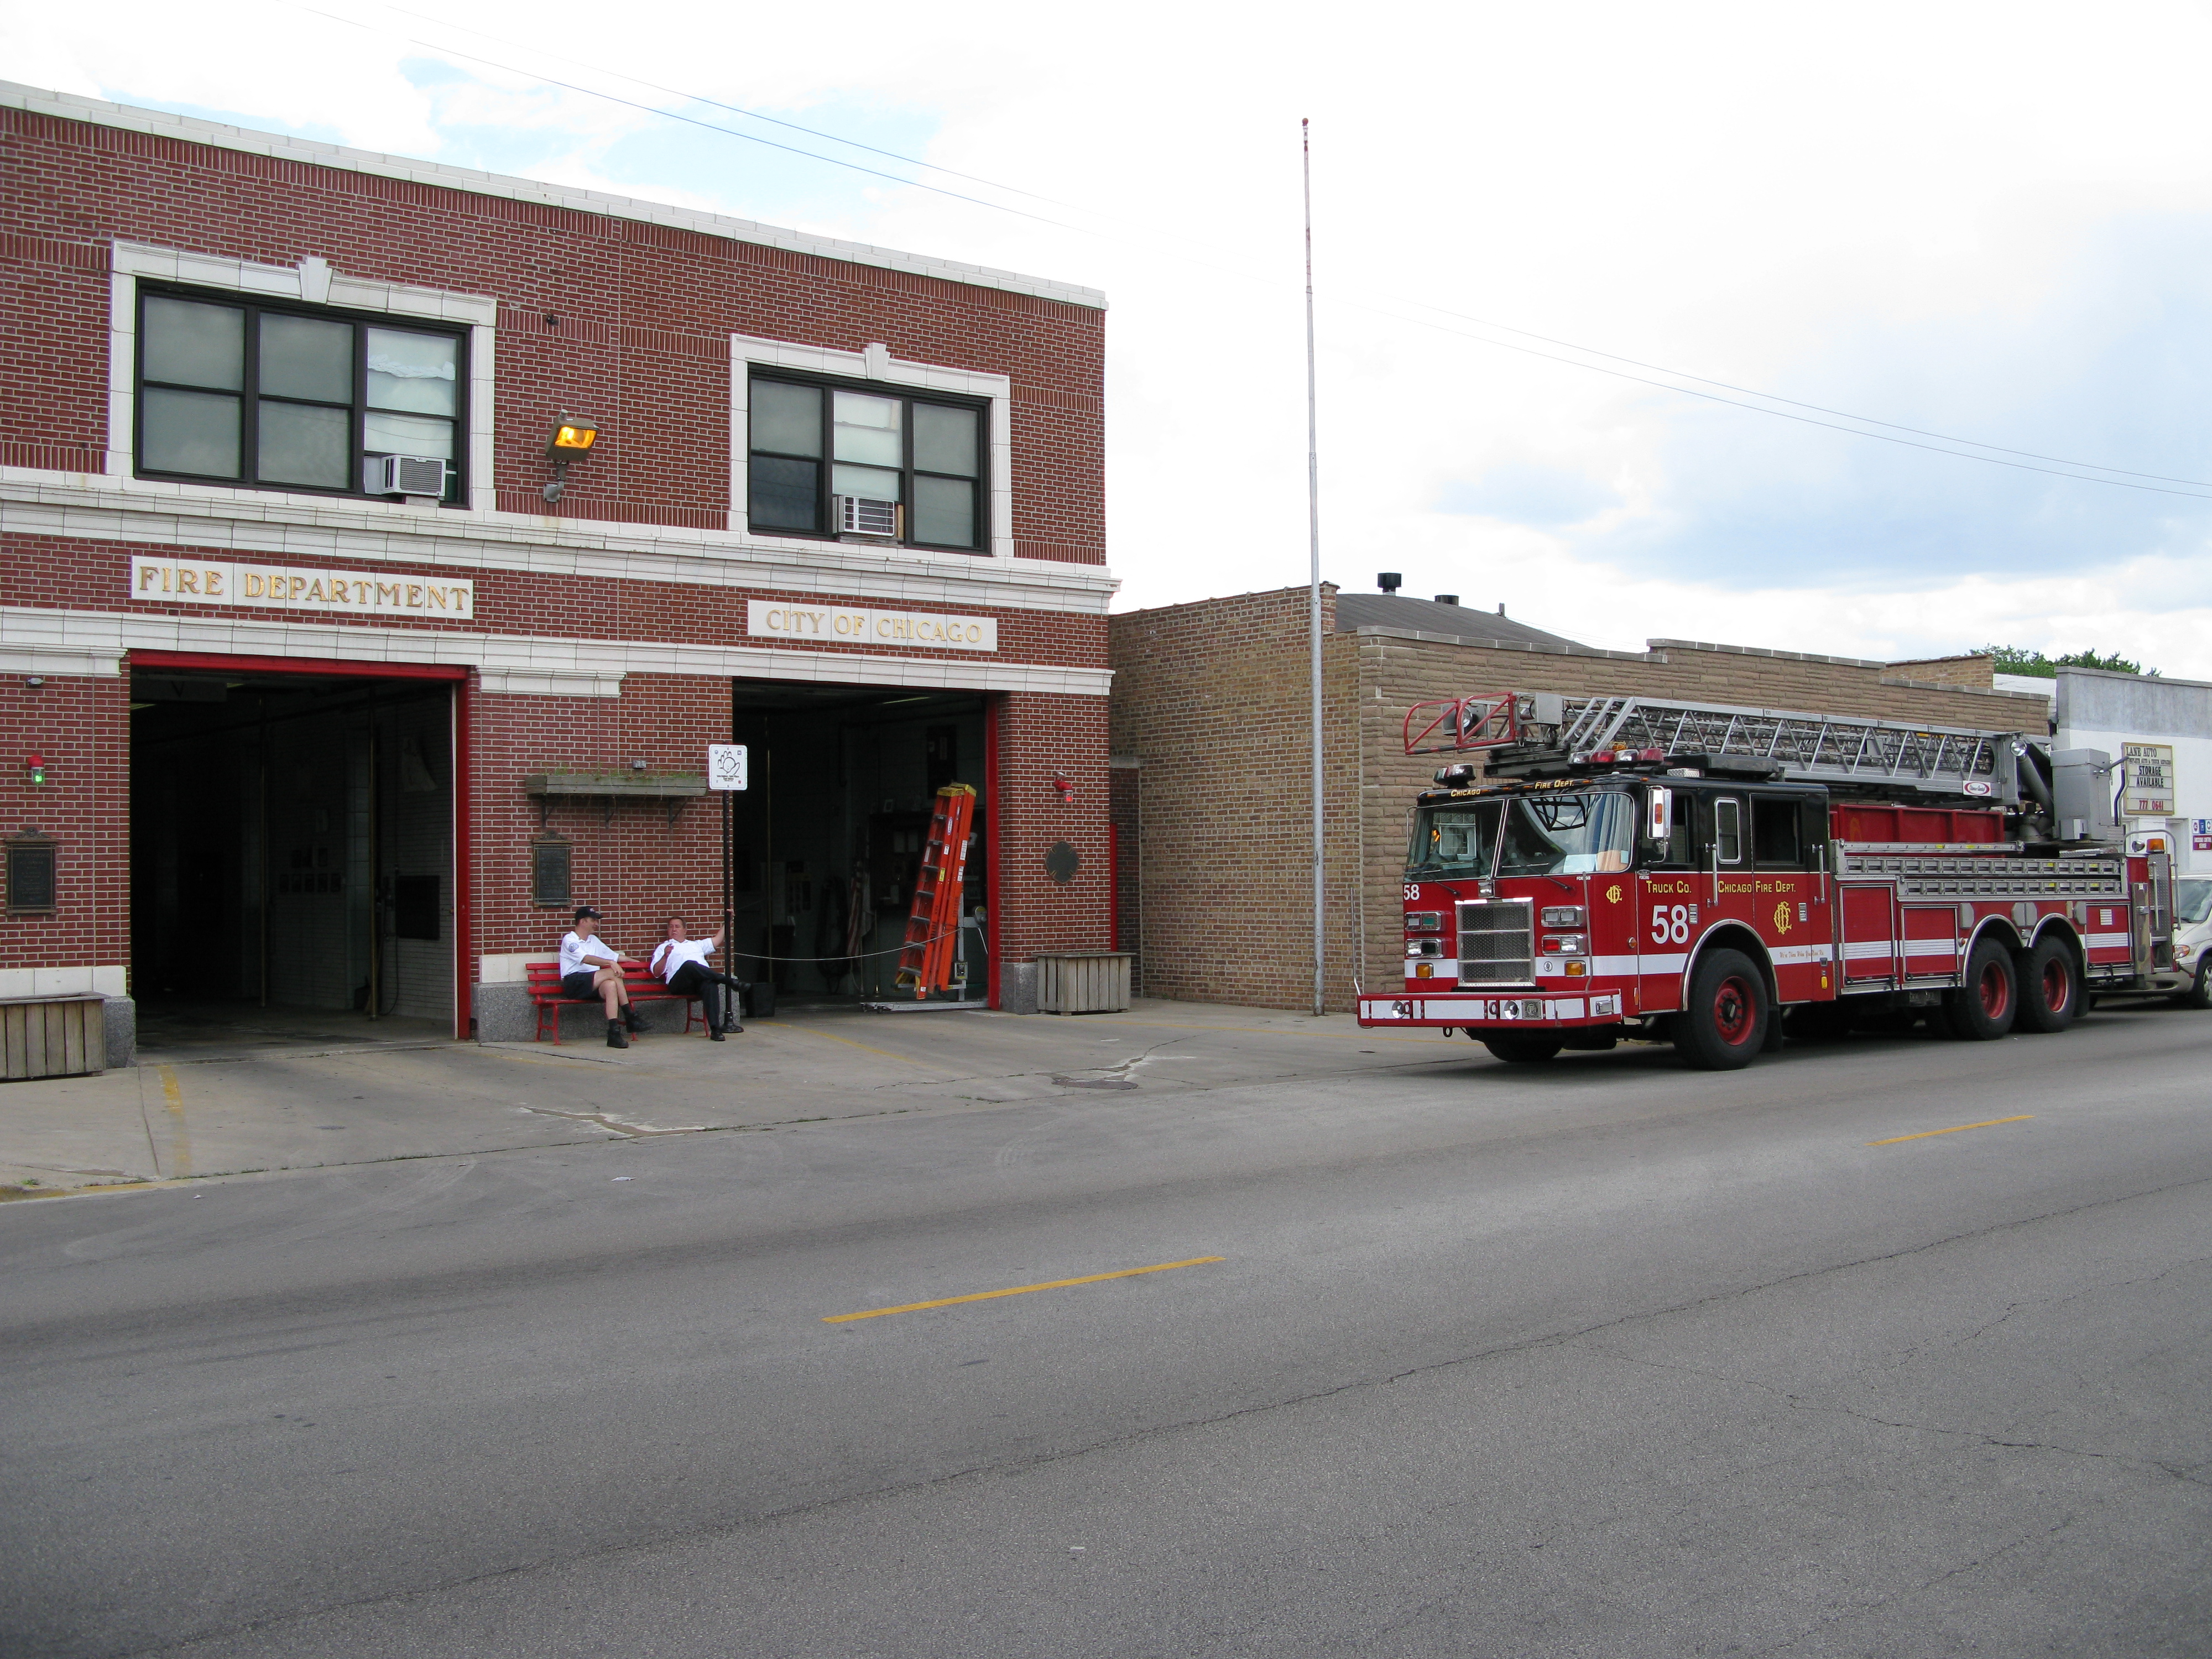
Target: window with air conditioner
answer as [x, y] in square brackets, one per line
[291, 397]
[839, 460]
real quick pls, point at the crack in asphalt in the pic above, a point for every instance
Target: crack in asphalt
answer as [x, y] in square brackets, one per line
[1010, 1466]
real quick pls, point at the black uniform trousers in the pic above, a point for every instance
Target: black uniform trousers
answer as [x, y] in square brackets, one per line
[696, 980]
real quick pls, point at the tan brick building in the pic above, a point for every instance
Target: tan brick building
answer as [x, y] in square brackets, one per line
[1209, 734]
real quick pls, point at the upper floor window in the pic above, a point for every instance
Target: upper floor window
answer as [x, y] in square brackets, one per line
[286, 399]
[828, 460]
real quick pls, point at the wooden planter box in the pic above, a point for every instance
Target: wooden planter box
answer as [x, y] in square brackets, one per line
[1084, 983]
[52, 1037]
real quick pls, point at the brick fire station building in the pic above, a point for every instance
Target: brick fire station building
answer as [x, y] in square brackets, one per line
[328, 685]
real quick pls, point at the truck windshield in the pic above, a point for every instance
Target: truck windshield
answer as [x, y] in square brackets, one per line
[1568, 835]
[2192, 900]
[1541, 835]
[1455, 840]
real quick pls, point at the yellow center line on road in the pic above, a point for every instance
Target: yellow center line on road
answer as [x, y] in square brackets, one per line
[1956, 1128]
[1020, 1289]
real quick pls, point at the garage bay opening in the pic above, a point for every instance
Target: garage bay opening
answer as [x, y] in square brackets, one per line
[829, 837]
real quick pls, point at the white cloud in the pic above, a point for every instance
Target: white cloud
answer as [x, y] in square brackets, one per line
[1935, 214]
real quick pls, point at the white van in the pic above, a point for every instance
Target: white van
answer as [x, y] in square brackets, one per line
[2192, 938]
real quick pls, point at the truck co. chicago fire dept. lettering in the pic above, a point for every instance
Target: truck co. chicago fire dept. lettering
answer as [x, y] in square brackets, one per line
[836, 624]
[329, 592]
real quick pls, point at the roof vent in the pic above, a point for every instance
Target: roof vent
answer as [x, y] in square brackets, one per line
[1389, 581]
[1446, 599]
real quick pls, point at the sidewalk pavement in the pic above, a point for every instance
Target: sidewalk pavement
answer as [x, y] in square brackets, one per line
[301, 1096]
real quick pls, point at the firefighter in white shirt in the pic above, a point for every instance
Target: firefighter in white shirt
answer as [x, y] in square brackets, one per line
[681, 961]
[589, 968]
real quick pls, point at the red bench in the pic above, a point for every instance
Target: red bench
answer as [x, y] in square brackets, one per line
[547, 996]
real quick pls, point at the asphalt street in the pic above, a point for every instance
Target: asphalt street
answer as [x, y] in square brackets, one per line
[1602, 1357]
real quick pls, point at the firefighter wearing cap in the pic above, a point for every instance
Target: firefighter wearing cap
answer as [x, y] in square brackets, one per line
[589, 969]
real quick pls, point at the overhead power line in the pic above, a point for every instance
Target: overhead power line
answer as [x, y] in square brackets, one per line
[2086, 472]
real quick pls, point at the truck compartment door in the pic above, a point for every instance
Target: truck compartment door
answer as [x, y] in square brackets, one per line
[1930, 940]
[1870, 915]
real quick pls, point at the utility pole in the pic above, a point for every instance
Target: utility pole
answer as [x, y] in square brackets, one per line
[1313, 526]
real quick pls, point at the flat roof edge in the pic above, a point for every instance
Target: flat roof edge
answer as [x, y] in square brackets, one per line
[68, 106]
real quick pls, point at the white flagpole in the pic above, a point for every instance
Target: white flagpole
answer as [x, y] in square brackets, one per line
[1313, 524]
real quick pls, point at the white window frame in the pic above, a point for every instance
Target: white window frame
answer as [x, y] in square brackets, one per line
[311, 281]
[870, 362]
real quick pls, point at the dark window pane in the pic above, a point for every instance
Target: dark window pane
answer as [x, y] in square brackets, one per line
[301, 444]
[945, 512]
[420, 372]
[192, 432]
[194, 344]
[303, 357]
[787, 418]
[783, 494]
[945, 439]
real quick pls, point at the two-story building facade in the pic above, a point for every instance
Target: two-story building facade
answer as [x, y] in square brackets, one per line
[335, 675]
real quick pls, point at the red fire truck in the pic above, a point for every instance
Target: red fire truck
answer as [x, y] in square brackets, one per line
[1641, 869]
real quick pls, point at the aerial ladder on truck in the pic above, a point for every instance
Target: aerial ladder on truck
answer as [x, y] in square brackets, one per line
[1645, 868]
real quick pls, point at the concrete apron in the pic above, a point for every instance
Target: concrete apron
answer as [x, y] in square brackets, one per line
[259, 1105]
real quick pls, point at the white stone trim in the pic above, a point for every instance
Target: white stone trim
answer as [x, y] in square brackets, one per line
[107, 980]
[874, 361]
[548, 682]
[312, 281]
[512, 968]
[69, 107]
[272, 524]
[37, 660]
[565, 666]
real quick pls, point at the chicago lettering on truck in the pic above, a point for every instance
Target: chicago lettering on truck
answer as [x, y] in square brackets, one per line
[324, 592]
[837, 624]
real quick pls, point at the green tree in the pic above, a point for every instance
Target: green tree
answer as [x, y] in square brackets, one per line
[2017, 660]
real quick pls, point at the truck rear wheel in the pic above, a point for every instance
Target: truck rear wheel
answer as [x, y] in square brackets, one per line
[2050, 987]
[1725, 1022]
[1522, 1050]
[1982, 1009]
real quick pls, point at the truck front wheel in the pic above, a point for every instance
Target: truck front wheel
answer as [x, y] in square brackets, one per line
[1522, 1050]
[1725, 1023]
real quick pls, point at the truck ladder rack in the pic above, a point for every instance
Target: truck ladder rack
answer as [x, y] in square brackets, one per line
[1519, 729]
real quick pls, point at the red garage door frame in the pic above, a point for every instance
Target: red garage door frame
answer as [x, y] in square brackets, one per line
[457, 676]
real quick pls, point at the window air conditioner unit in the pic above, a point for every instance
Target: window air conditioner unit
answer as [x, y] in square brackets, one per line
[404, 475]
[858, 516]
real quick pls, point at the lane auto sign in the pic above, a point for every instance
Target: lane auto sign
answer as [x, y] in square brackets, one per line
[2149, 789]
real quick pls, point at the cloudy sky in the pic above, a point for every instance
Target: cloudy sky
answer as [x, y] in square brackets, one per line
[1983, 228]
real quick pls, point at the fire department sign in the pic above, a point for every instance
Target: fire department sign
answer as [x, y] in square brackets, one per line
[323, 593]
[840, 624]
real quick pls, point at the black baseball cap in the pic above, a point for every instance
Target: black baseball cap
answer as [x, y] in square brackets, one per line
[583, 910]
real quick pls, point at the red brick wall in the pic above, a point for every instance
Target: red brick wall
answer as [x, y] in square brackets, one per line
[82, 727]
[640, 316]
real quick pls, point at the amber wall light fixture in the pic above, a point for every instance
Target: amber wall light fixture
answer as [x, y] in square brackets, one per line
[572, 435]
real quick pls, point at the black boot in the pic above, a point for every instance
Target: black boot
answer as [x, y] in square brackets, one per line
[630, 1018]
[616, 1037]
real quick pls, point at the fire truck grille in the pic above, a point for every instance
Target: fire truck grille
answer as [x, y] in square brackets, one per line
[1495, 943]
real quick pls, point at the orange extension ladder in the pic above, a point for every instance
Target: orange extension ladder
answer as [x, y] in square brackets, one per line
[932, 930]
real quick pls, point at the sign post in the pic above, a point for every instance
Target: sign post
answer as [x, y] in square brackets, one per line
[726, 768]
